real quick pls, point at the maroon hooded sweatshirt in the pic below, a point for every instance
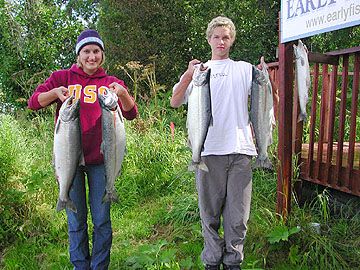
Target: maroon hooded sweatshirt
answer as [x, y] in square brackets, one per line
[85, 87]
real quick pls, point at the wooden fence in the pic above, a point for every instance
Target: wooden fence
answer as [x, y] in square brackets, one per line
[328, 143]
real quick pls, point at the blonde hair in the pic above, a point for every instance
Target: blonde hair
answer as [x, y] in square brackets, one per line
[221, 21]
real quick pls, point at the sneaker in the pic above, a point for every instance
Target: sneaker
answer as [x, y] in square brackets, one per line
[231, 267]
[212, 267]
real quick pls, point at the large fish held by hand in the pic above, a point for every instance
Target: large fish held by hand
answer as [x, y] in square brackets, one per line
[67, 148]
[199, 115]
[113, 142]
[262, 114]
[302, 77]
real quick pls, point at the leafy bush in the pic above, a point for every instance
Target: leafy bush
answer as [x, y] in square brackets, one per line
[12, 166]
[27, 197]
[155, 162]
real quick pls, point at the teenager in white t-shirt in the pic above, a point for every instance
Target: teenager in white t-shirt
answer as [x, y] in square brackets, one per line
[226, 189]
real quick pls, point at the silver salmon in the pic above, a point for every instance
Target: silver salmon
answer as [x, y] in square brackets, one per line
[199, 115]
[302, 77]
[113, 142]
[67, 148]
[262, 114]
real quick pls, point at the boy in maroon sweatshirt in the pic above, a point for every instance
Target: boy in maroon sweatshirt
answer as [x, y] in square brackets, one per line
[83, 81]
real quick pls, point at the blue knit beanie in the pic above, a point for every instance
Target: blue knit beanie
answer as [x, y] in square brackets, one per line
[87, 37]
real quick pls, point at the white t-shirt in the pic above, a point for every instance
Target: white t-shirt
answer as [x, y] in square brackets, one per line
[230, 87]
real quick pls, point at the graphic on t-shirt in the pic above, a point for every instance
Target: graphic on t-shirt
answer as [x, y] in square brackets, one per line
[218, 75]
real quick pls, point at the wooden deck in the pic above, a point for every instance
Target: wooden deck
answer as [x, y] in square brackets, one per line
[341, 178]
[345, 153]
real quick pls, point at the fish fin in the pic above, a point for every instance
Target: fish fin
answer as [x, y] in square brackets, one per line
[263, 164]
[200, 166]
[120, 114]
[61, 205]
[270, 139]
[82, 159]
[189, 143]
[110, 196]
[272, 117]
[53, 160]
[102, 148]
[302, 61]
[191, 167]
[296, 52]
[57, 126]
[305, 48]
[308, 81]
[302, 117]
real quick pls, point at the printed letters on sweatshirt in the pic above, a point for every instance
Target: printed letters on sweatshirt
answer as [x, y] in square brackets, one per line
[90, 92]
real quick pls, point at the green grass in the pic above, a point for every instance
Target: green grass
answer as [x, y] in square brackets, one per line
[156, 224]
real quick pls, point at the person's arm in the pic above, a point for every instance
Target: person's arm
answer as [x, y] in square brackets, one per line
[52, 90]
[47, 98]
[126, 100]
[180, 89]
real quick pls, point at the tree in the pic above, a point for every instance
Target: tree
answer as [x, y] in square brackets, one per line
[174, 31]
[36, 37]
[335, 40]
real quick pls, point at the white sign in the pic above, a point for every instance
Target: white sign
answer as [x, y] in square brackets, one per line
[304, 18]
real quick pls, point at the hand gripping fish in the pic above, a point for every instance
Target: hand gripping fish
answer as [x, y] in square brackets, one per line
[198, 115]
[302, 77]
[262, 114]
[67, 148]
[113, 142]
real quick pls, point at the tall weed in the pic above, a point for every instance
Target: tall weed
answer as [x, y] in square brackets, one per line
[156, 224]
[12, 166]
[27, 197]
[155, 162]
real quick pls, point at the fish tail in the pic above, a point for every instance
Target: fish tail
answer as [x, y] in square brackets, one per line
[191, 167]
[202, 166]
[263, 164]
[110, 196]
[69, 204]
[302, 117]
[198, 165]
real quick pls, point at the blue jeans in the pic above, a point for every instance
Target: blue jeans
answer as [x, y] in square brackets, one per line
[100, 214]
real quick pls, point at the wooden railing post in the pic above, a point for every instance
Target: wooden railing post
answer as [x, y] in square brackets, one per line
[286, 78]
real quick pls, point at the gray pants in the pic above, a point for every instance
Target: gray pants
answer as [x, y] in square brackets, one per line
[224, 190]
